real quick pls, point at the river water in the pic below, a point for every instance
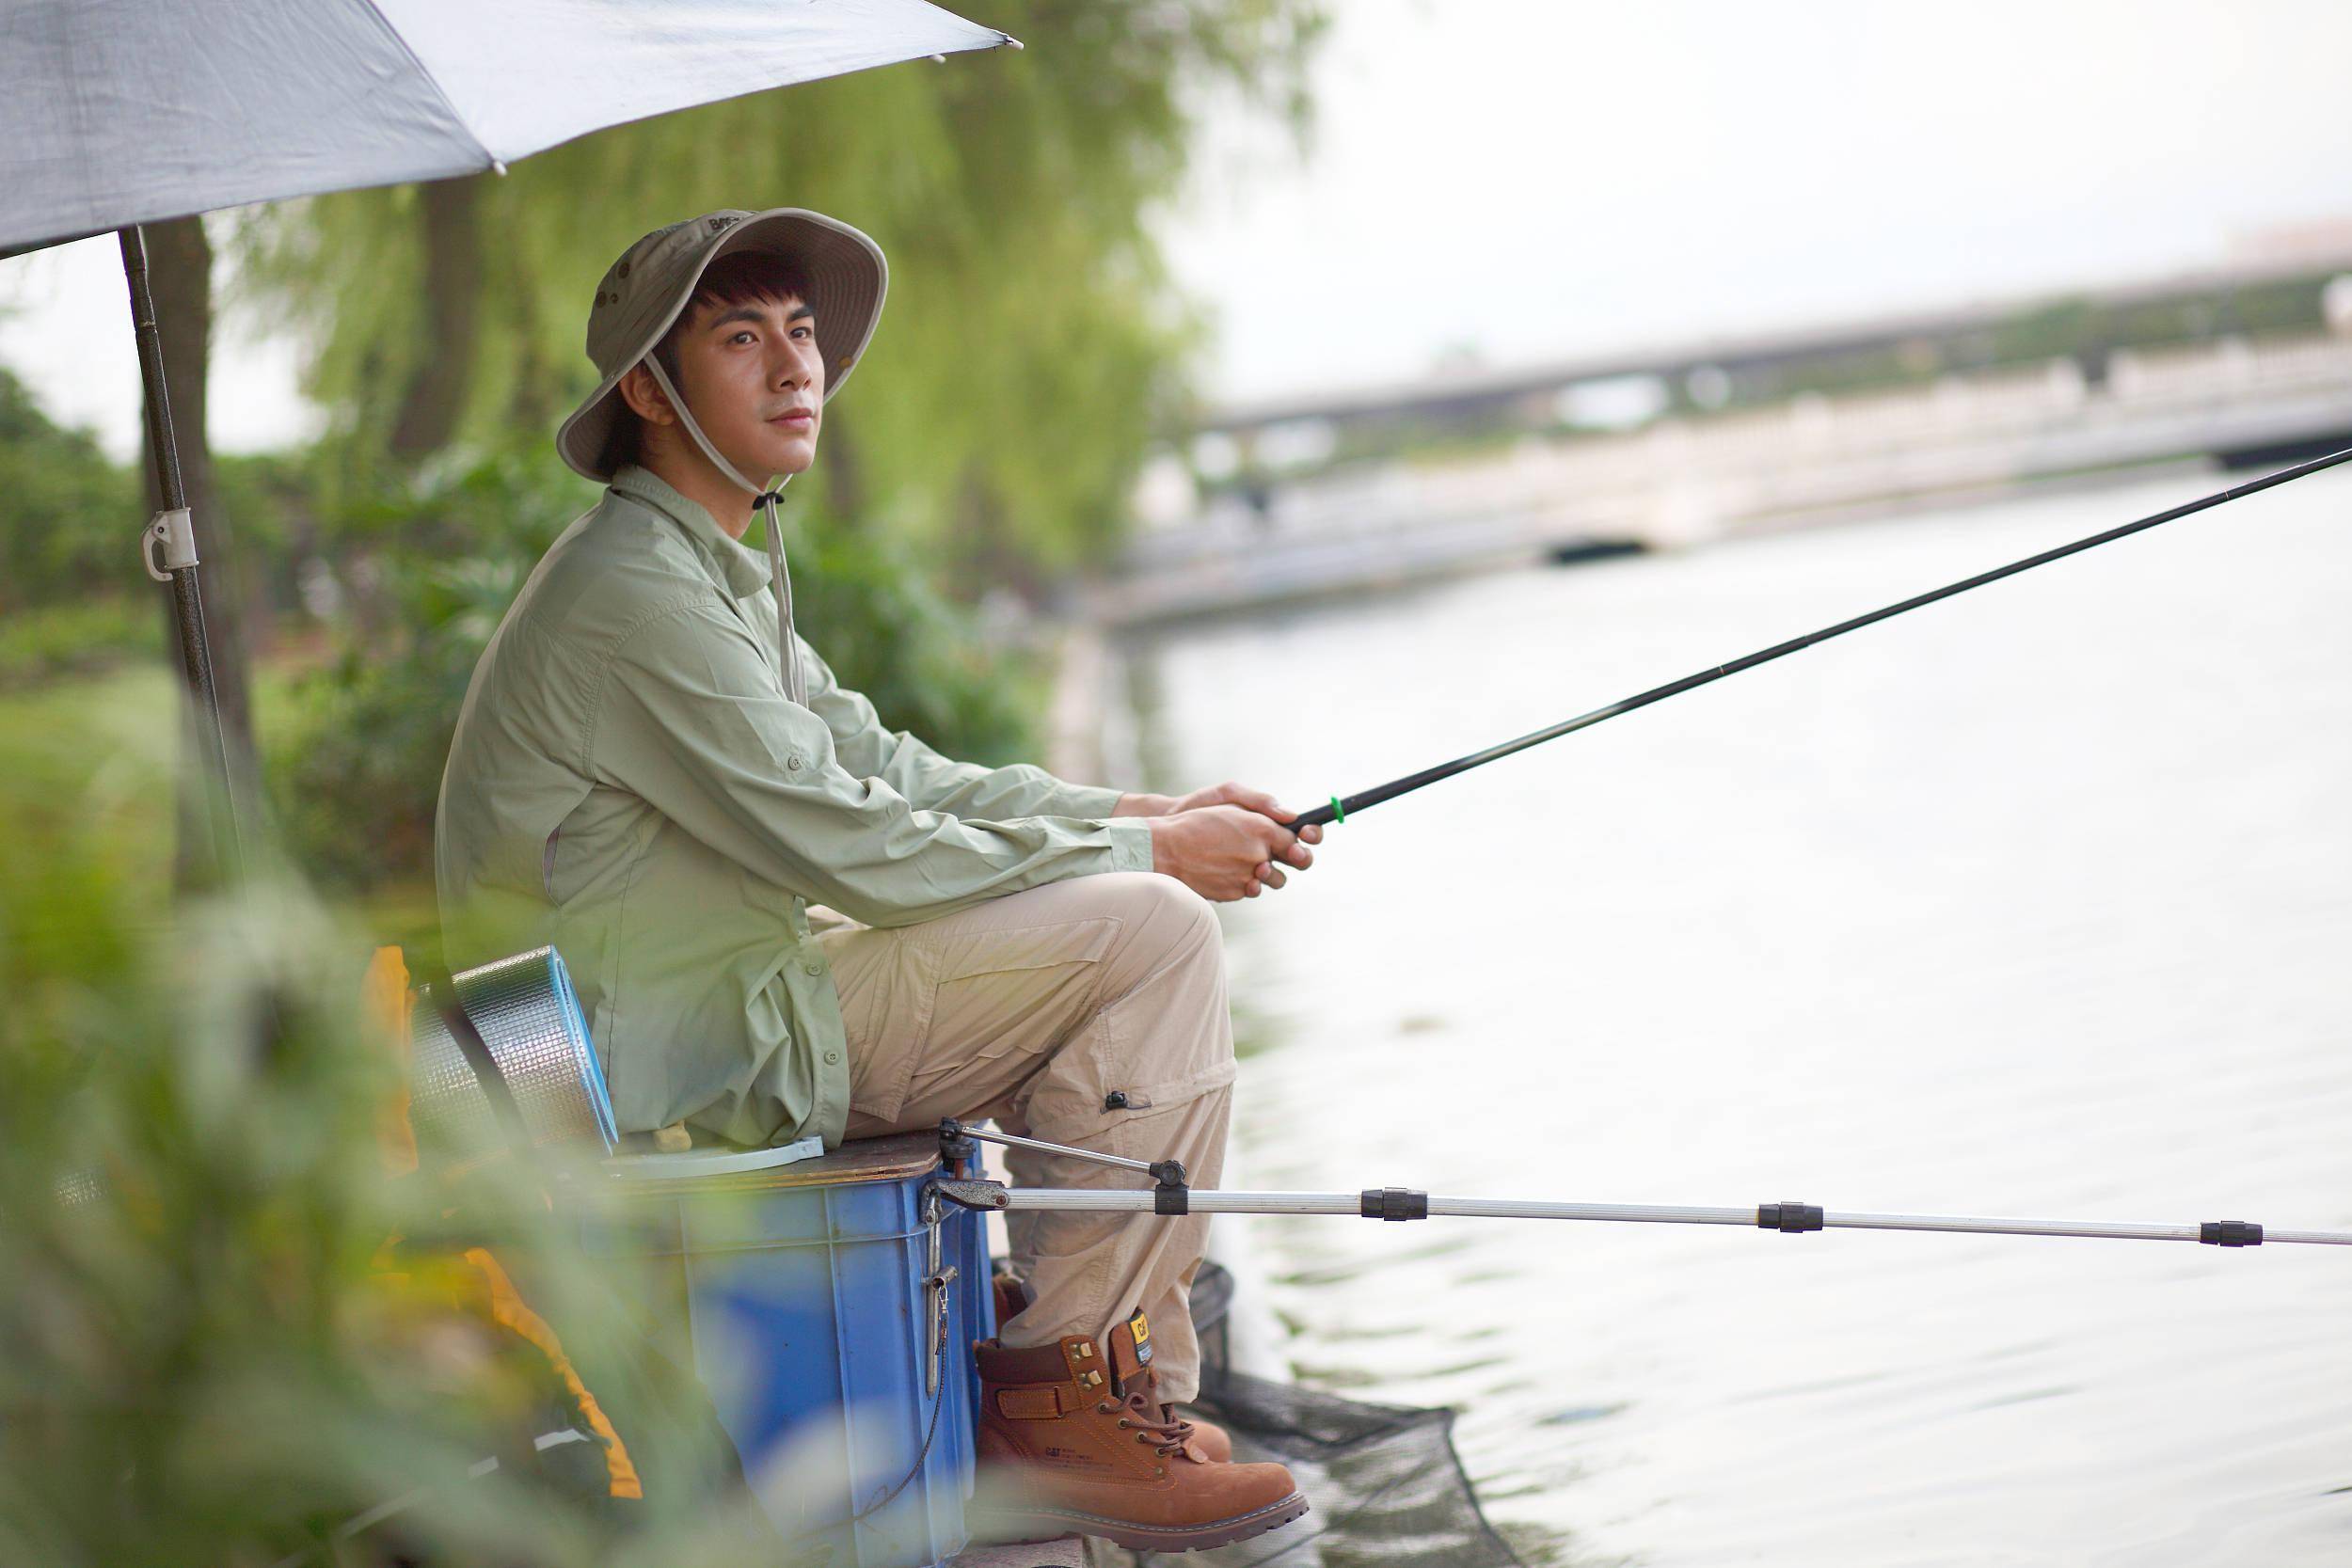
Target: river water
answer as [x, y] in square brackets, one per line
[2037, 902]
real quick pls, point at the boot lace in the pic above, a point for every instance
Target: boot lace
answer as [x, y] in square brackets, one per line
[1155, 1424]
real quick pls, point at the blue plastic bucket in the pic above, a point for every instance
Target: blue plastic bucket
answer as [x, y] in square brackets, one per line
[801, 1296]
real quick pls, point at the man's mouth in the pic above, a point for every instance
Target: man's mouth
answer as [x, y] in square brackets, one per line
[795, 418]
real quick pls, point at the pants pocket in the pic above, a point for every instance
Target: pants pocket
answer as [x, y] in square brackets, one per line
[967, 1013]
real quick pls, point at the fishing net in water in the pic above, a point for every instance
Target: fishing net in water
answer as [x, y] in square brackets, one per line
[1386, 1485]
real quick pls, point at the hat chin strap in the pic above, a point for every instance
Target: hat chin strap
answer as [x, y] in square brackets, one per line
[779, 579]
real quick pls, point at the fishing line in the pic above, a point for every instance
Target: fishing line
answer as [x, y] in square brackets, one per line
[1339, 808]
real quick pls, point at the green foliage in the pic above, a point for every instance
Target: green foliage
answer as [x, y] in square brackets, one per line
[355, 765]
[72, 600]
[212, 1358]
[867, 605]
[70, 589]
[73, 517]
[52, 642]
[1032, 340]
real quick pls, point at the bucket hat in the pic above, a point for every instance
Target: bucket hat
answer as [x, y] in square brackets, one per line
[642, 293]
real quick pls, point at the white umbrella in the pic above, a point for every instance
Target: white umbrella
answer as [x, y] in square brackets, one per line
[115, 113]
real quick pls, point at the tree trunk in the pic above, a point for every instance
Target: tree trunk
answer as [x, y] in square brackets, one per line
[436, 399]
[535, 401]
[180, 274]
[985, 548]
[845, 477]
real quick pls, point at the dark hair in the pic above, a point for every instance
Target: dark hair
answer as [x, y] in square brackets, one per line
[744, 278]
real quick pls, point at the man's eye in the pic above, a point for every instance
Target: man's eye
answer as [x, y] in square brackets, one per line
[804, 332]
[740, 336]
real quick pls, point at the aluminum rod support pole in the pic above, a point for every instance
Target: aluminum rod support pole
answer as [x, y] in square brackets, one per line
[1339, 810]
[1009, 1141]
[1394, 1203]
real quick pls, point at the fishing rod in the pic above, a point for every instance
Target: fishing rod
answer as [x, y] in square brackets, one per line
[1171, 1194]
[1339, 810]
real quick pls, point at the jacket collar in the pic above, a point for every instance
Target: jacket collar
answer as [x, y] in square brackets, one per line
[742, 571]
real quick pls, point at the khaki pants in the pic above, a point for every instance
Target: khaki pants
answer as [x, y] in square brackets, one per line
[1089, 1012]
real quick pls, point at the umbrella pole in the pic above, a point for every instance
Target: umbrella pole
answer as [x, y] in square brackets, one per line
[169, 548]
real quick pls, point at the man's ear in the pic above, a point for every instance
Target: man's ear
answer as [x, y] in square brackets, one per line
[644, 396]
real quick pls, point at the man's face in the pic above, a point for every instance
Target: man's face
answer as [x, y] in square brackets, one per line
[754, 377]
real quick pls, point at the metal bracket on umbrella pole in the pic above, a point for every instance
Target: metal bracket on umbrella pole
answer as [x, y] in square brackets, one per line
[168, 545]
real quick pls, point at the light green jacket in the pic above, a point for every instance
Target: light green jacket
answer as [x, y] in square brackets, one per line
[629, 783]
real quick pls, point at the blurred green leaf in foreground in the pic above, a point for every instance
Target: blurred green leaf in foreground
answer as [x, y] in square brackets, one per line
[214, 1354]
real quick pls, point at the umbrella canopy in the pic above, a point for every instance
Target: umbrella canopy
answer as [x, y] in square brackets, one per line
[115, 114]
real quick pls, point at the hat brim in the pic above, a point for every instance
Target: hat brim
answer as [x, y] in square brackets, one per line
[847, 279]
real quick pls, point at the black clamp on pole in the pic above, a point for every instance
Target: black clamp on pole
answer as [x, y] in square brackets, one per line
[1392, 1203]
[1788, 1218]
[1171, 1191]
[2230, 1233]
[957, 1150]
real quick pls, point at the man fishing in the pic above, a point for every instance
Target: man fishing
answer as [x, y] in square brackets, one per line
[656, 774]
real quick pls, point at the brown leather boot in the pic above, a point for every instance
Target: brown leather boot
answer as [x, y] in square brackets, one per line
[1013, 1296]
[1061, 1449]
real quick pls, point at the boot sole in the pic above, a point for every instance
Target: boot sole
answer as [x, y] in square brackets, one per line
[1047, 1523]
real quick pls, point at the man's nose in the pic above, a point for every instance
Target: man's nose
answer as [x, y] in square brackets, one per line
[800, 366]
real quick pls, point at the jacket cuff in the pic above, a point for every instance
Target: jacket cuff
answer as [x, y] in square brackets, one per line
[1131, 844]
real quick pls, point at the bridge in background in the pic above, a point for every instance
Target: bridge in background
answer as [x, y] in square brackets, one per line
[1762, 456]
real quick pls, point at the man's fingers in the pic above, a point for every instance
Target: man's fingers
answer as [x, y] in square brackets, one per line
[1297, 854]
[1257, 800]
[1310, 833]
[1272, 876]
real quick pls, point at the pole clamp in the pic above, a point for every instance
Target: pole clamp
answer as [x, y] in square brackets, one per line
[989, 1195]
[1392, 1203]
[957, 1149]
[2230, 1233]
[170, 539]
[1788, 1218]
[1171, 1191]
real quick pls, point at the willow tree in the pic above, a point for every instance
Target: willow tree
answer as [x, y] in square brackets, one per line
[1033, 337]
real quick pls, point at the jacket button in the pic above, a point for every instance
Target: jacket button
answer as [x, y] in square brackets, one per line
[812, 967]
[1115, 1100]
[831, 1056]
[792, 764]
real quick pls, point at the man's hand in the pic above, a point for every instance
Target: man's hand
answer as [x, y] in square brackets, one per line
[1225, 798]
[1224, 852]
[1228, 793]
